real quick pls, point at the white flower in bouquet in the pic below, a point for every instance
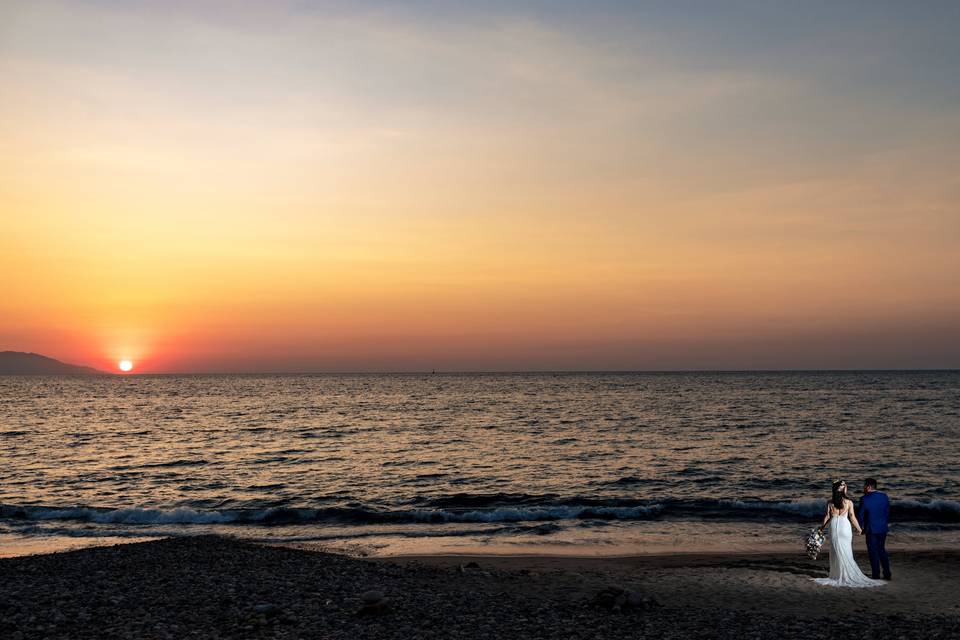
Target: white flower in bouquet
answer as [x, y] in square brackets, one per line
[814, 543]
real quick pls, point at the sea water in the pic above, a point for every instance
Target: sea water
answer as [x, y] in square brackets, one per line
[509, 463]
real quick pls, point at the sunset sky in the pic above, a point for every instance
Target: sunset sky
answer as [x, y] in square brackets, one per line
[305, 186]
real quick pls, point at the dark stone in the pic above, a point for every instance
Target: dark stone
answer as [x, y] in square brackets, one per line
[267, 610]
[374, 609]
[619, 599]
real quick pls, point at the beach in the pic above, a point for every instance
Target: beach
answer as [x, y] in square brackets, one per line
[215, 587]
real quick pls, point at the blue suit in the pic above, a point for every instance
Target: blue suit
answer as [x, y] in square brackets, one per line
[873, 513]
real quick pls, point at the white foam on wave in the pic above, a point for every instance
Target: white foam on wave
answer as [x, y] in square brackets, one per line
[799, 507]
[181, 515]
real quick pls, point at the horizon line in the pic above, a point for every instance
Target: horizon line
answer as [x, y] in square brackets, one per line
[533, 372]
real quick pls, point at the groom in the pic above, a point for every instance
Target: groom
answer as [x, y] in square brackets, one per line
[874, 510]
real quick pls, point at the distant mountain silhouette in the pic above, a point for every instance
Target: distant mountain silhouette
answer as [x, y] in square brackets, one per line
[18, 363]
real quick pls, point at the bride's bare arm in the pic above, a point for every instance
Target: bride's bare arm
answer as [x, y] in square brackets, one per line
[853, 519]
[826, 518]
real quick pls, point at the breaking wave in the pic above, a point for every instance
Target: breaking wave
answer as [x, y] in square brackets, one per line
[508, 508]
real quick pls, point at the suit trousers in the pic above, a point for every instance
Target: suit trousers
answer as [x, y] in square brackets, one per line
[878, 553]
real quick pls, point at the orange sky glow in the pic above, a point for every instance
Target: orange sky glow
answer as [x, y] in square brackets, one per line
[386, 189]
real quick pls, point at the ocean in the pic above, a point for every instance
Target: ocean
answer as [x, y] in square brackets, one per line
[577, 463]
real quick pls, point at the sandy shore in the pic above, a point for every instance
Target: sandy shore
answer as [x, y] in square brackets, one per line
[210, 587]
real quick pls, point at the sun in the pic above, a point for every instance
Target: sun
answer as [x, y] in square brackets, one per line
[125, 365]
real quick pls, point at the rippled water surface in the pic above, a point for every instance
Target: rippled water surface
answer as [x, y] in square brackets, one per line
[553, 458]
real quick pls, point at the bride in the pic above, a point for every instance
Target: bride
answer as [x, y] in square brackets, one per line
[844, 571]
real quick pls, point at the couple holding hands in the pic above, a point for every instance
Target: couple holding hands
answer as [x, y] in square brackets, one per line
[841, 517]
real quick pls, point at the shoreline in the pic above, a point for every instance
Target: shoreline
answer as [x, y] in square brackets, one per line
[13, 546]
[210, 586]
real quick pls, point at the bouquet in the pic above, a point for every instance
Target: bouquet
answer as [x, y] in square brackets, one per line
[814, 543]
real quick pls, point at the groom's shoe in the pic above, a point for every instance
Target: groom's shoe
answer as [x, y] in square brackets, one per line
[888, 577]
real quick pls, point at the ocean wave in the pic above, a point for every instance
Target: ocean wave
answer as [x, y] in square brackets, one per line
[171, 463]
[481, 500]
[627, 480]
[351, 515]
[111, 530]
[931, 511]
[478, 509]
[118, 516]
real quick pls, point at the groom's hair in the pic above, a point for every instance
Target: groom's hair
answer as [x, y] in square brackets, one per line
[870, 482]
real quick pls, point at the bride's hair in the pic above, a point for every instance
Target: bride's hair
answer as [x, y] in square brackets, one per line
[838, 495]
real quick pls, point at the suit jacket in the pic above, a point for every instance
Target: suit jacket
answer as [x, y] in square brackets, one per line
[874, 511]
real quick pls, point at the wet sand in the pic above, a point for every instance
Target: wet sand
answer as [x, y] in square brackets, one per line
[210, 587]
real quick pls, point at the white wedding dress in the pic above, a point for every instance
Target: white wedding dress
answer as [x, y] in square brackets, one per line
[844, 571]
